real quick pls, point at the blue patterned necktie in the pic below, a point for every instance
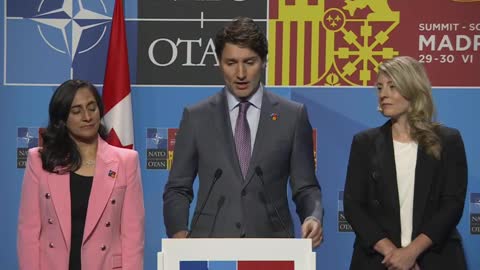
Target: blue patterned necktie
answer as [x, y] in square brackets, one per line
[242, 137]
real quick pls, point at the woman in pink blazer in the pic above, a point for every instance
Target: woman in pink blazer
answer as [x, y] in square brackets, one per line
[82, 202]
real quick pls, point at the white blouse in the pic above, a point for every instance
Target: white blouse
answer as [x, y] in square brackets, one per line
[405, 163]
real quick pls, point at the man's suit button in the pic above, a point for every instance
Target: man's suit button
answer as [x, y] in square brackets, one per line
[103, 247]
[107, 224]
[376, 202]
[47, 195]
[50, 221]
[113, 201]
[238, 225]
[244, 193]
[50, 245]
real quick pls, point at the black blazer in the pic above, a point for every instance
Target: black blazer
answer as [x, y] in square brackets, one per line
[371, 202]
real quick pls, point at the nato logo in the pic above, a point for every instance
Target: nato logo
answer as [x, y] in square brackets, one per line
[160, 143]
[475, 213]
[343, 225]
[66, 35]
[27, 138]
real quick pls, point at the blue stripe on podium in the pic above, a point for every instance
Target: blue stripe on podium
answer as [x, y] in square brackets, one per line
[193, 265]
[222, 265]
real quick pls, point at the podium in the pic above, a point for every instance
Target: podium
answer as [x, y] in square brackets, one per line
[236, 254]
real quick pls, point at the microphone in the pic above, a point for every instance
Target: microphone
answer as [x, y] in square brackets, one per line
[259, 173]
[220, 203]
[216, 176]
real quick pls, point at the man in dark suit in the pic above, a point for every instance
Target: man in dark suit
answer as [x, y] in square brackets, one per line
[244, 143]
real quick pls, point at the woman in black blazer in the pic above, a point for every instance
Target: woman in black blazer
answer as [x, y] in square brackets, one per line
[406, 180]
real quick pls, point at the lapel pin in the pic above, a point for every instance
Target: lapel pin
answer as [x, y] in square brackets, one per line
[112, 174]
[274, 116]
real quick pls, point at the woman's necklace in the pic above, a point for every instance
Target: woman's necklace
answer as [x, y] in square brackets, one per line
[89, 163]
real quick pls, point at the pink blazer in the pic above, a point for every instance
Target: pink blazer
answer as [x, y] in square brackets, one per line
[114, 227]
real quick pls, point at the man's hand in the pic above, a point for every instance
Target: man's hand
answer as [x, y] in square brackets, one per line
[311, 228]
[180, 234]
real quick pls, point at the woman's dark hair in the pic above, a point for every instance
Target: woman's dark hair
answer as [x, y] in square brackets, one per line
[59, 152]
[243, 32]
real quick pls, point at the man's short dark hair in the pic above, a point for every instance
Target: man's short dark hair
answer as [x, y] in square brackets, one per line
[243, 32]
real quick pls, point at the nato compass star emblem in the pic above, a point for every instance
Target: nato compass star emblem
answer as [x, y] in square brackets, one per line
[156, 140]
[27, 137]
[58, 32]
[475, 203]
[66, 21]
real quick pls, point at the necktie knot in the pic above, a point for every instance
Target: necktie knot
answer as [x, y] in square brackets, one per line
[243, 106]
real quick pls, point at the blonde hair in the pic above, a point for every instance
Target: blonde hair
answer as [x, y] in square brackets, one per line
[411, 81]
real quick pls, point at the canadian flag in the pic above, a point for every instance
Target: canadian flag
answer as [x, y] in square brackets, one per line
[117, 96]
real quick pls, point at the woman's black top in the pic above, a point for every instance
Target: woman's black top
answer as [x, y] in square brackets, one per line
[80, 187]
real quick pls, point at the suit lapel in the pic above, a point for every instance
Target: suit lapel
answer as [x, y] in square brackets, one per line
[265, 126]
[102, 187]
[386, 163]
[423, 180]
[385, 149]
[221, 116]
[59, 185]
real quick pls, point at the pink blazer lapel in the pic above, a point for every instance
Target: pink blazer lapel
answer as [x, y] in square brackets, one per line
[59, 185]
[102, 187]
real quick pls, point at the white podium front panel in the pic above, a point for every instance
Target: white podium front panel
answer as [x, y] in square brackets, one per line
[236, 254]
